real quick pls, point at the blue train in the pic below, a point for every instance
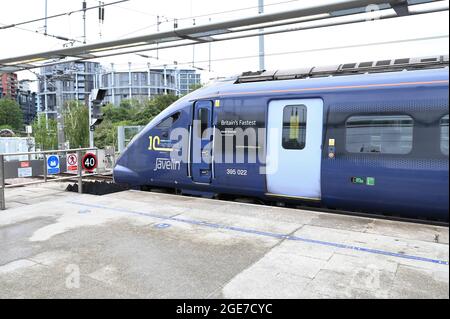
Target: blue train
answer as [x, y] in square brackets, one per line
[366, 137]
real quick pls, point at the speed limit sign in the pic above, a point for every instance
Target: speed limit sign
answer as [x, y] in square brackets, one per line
[89, 162]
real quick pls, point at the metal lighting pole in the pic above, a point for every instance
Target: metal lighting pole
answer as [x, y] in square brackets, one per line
[46, 101]
[45, 24]
[165, 79]
[84, 22]
[209, 53]
[113, 84]
[91, 131]
[261, 38]
[59, 79]
[130, 82]
[149, 80]
[60, 116]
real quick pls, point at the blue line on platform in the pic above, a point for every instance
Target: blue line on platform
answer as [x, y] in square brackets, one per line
[268, 234]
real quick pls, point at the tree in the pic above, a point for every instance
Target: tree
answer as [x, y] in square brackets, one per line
[115, 114]
[7, 127]
[11, 114]
[194, 87]
[130, 103]
[76, 124]
[128, 113]
[153, 107]
[45, 133]
[105, 134]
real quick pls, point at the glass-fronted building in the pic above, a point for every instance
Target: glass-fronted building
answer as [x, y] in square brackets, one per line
[71, 81]
[141, 85]
[65, 82]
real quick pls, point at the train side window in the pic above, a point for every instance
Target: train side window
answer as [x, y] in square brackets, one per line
[203, 117]
[383, 134]
[444, 135]
[168, 121]
[294, 127]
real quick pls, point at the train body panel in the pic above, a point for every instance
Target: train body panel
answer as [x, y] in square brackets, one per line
[381, 140]
[411, 181]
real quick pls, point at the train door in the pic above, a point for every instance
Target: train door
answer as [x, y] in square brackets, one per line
[294, 147]
[202, 136]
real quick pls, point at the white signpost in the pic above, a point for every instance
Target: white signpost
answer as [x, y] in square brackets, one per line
[24, 172]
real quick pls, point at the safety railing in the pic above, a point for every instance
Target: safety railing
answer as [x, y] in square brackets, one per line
[44, 169]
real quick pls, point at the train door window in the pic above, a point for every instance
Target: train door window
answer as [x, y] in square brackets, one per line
[383, 134]
[444, 135]
[203, 118]
[294, 127]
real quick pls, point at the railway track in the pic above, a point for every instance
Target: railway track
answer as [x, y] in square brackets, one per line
[377, 216]
[327, 210]
[109, 178]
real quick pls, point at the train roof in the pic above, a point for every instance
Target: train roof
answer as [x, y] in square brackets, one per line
[232, 87]
[381, 66]
[345, 76]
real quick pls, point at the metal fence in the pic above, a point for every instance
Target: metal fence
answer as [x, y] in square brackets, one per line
[11, 169]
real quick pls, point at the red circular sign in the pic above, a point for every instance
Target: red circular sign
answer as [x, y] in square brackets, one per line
[89, 161]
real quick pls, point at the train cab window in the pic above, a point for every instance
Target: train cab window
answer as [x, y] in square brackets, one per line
[383, 134]
[444, 135]
[294, 127]
[203, 118]
[168, 121]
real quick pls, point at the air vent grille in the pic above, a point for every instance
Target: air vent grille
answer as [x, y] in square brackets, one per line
[383, 63]
[349, 66]
[429, 60]
[401, 61]
[365, 64]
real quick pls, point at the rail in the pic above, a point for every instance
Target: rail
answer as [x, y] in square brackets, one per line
[79, 170]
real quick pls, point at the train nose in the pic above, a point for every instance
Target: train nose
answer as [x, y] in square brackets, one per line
[124, 176]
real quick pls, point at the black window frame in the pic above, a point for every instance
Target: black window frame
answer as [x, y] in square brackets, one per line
[302, 127]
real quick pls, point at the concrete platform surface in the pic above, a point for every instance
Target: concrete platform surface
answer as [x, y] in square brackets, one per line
[55, 244]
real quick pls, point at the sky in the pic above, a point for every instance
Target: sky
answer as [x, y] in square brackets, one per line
[138, 17]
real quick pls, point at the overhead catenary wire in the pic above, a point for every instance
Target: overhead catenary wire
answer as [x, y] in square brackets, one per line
[12, 25]
[236, 10]
[135, 10]
[169, 19]
[363, 18]
[228, 26]
[245, 29]
[207, 14]
[175, 20]
[58, 37]
[352, 46]
[275, 53]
